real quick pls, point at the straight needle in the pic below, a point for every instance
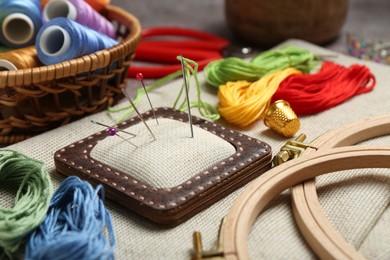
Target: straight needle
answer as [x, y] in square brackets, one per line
[187, 97]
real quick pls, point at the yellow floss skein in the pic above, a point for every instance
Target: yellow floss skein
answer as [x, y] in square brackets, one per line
[242, 102]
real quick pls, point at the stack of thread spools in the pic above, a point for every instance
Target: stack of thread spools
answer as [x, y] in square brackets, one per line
[38, 33]
[247, 88]
[73, 223]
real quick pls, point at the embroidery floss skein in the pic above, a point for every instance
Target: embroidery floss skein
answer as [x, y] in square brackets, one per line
[241, 102]
[75, 226]
[31, 201]
[81, 12]
[332, 85]
[62, 39]
[19, 59]
[20, 21]
[232, 69]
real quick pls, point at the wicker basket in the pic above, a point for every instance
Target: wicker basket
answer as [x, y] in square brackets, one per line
[38, 99]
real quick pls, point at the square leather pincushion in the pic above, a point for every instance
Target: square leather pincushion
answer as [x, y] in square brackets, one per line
[172, 178]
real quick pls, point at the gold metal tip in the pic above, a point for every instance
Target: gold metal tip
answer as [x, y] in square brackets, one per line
[282, 119]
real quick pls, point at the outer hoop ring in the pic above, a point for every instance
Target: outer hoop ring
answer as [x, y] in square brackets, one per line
[260, 192]
[307, 210]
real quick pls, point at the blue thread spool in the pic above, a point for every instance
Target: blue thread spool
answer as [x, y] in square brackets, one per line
[20, 21]
[62, 39]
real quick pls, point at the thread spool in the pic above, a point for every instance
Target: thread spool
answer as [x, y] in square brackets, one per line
[19, 59]
[62, 39]
[20, 21]
[81, 12]
[98, 5]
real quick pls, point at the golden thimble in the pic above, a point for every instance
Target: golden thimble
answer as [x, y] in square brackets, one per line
[282, 119]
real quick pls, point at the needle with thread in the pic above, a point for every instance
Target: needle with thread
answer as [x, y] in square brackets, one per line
[138, 113]
[114, 131]
[187, 97]
[140, 78]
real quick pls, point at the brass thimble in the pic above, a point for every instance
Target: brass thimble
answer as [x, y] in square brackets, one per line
[282, 119]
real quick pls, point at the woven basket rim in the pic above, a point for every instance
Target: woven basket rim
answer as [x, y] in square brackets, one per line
[96, 60]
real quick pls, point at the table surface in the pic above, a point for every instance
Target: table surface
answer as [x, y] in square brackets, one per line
[366, 18]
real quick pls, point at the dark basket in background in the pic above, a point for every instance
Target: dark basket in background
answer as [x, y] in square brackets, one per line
[38, 99]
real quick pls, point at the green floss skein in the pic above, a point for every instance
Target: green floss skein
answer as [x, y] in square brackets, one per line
[232, 69]
[4, 49]
[31, 203]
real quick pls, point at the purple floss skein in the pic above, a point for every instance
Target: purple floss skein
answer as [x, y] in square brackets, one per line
[62, 39]
[81, 12]
[20, 21]
[75, 225]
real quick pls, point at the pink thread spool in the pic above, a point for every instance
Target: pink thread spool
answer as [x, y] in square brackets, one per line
[81, 12]
[267, 23]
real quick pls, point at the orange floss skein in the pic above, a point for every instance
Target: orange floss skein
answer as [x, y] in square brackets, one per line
[241, 102]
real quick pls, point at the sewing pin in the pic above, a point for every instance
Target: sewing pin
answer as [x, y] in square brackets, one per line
[140, 77]
[114, 131]
[187, 97]
[138, 113]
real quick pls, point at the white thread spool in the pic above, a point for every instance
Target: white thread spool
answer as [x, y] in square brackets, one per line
[59, 8]
[18, 28]
[6, 65]
[54, 41]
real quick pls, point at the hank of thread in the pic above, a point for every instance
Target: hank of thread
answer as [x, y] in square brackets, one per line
[232, 69]
[62, 39]
[332, 85]
[19, 59]
[81, 12]
[242, 103]
[98, 5]
[20, 21]
[31, 202]
[75, 225]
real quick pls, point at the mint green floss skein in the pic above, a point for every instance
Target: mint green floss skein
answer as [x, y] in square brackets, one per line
[31, 203]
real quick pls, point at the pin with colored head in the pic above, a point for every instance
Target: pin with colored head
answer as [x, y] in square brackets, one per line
[140, 77]
[138, 113]
[114, 131]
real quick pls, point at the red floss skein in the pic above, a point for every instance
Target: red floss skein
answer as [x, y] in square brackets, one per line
[332, 85]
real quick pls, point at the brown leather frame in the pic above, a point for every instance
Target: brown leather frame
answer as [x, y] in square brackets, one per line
[169, 207]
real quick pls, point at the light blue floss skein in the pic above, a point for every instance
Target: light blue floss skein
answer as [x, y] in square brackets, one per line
[20, 21]
[62, 39]
[75, 225]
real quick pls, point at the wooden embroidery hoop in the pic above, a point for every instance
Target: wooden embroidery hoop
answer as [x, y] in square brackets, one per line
[306, 206]
[323, 239]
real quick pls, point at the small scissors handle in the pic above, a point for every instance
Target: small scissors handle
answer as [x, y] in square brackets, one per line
[204, 48]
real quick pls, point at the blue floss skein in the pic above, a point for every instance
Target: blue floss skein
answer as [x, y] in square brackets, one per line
[20, 21]
[62, 39]
[75, 225]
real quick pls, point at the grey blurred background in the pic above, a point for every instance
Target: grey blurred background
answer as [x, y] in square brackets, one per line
[366, 18]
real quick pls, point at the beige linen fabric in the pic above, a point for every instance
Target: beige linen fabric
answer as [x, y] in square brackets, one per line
[356, 202]
[169, 161]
